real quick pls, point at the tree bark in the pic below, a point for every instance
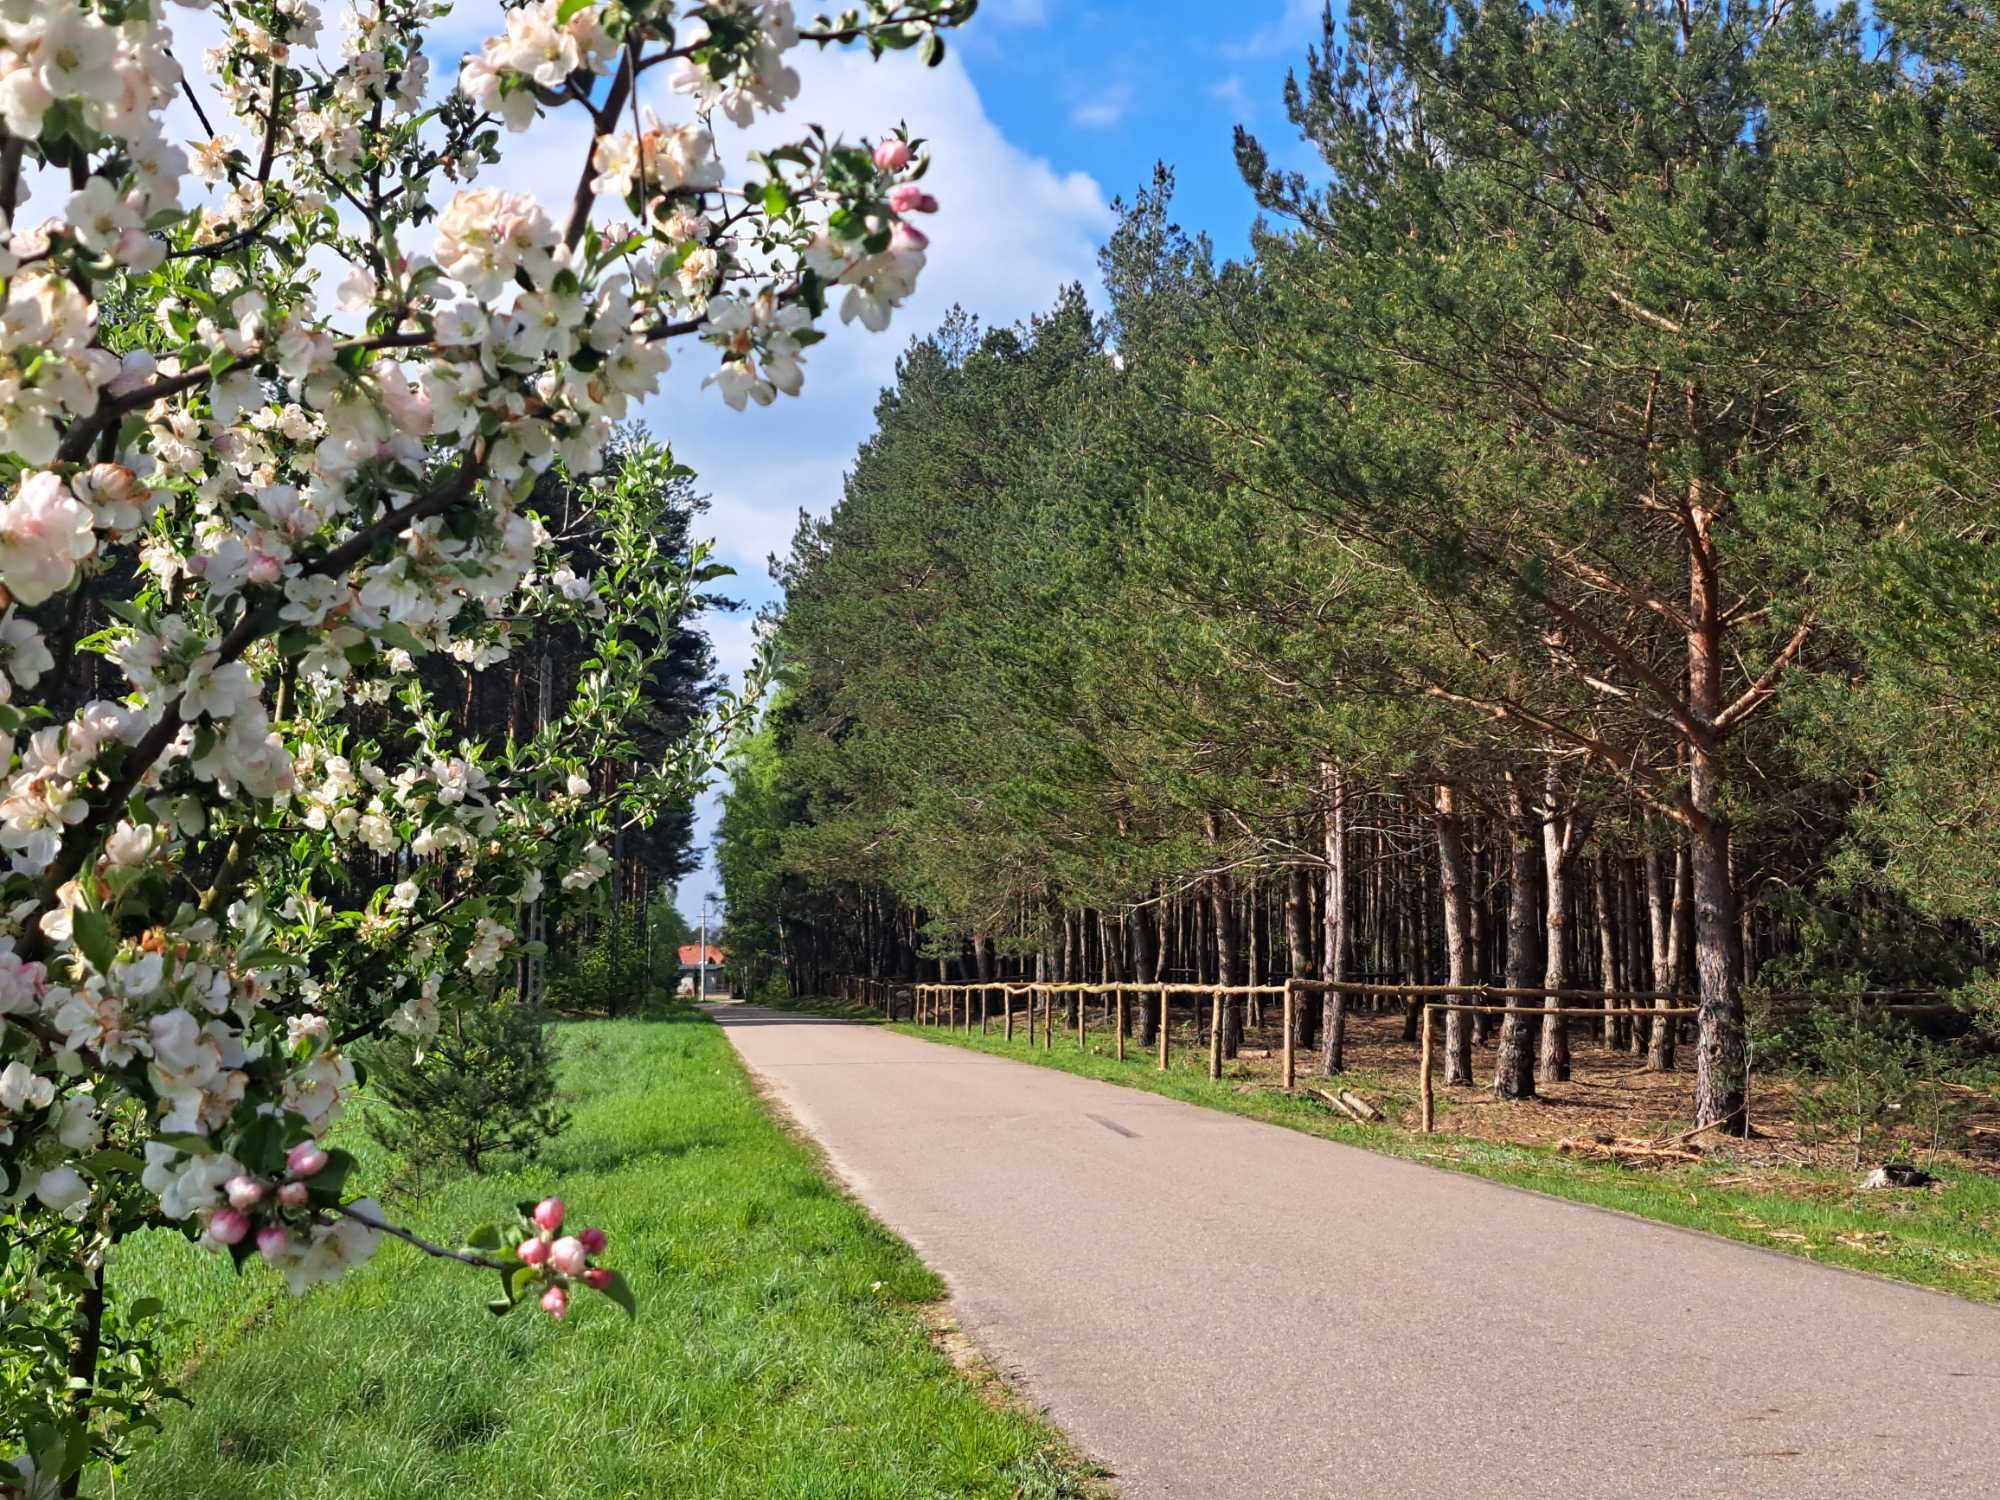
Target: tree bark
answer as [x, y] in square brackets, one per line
[1456, 883]
[1660, 1046]
[1607, 946]
[1514, 1067]
[1333, 951]
[1144, 939]
[1298, 949]
[1563, 830]
[1222, 915]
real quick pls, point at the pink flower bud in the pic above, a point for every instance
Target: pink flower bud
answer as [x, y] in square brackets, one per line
[567, 1255]
[555, 1302]
[908, 198]
[292, 1194]
[228, 1226]
[892, 155]
[549, 1214]
[305, 1160]
[533, 1252]
[908, 237]
[597, 1278]
[593, 1239]
[244, 1191]
[273, 1243]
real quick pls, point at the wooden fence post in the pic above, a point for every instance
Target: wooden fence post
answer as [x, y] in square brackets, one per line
[1007, 1000]
[1426, 1112]
[1049, 1020]
[1166, 1014]
[1215, 1036]
[1291, 1056]
[1118, 1020]
[1082, 1021]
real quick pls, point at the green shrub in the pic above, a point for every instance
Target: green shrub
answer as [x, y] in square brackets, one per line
[484, 1086]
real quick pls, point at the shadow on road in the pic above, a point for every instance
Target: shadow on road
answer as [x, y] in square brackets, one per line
[739, 1014]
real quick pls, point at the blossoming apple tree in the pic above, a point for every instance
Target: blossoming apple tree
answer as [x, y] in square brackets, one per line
[274, 399]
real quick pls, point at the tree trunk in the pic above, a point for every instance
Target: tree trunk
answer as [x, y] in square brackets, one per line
[1222, 916]
[1144, 937]
[1333, 951]
[1298, 950]
[1721, 1057]
[1660, 1046]
[1514, 1068]
[1607, 946]
[1562, 832]
[86, 1344]
[1456, 883]
[1482, 1026]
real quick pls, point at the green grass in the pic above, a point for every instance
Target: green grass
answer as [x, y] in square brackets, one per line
[1946, 1237]
[780, 1348]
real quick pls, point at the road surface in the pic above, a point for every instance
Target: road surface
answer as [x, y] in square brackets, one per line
[1223, 1310]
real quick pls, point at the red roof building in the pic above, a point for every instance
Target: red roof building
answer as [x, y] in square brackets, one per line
[691, 956]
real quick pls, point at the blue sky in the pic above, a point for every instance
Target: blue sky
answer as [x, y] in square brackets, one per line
[1044, 112]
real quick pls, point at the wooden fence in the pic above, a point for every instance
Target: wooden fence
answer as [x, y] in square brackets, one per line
[951, 1005]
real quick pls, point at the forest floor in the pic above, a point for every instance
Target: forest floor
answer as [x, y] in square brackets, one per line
[1774, 1190]
[786, 1343]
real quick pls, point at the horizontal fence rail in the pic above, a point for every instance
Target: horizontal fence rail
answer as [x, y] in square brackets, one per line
[951, 1005]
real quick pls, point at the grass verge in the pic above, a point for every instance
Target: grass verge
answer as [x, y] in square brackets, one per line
[781, 1347]
[1946, 1237]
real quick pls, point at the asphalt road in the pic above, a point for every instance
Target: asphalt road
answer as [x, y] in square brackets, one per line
[1219, 1309]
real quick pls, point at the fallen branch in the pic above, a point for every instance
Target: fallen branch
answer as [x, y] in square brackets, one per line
[1339, 1105]
[1687, 1135]
[1355, 1102]
[1614, 1148]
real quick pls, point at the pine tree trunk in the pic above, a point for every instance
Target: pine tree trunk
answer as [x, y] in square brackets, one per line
[1607, 946]
[1333, 951]
[1298, 949]
[1660, 1045]
[1143, 933]
[1482, 1026]
[1559, 837]
[1514, 1067]
[1456, 883]
[1222, 916]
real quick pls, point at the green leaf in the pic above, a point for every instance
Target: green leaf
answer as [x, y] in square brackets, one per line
[396, 633]
[521, 1280]
[332, 1178]
[110, 1159]
[617, 1290]
[485, 1237]
[95, 938]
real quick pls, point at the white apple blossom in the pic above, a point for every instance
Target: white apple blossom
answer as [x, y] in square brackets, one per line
[45, 531]
[316, 460]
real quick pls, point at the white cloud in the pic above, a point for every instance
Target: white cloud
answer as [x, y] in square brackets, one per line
[1014, 12]
[1290, 31]
[734, 638]
[1010, 232]
[1229, 92]
[1105, 105]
